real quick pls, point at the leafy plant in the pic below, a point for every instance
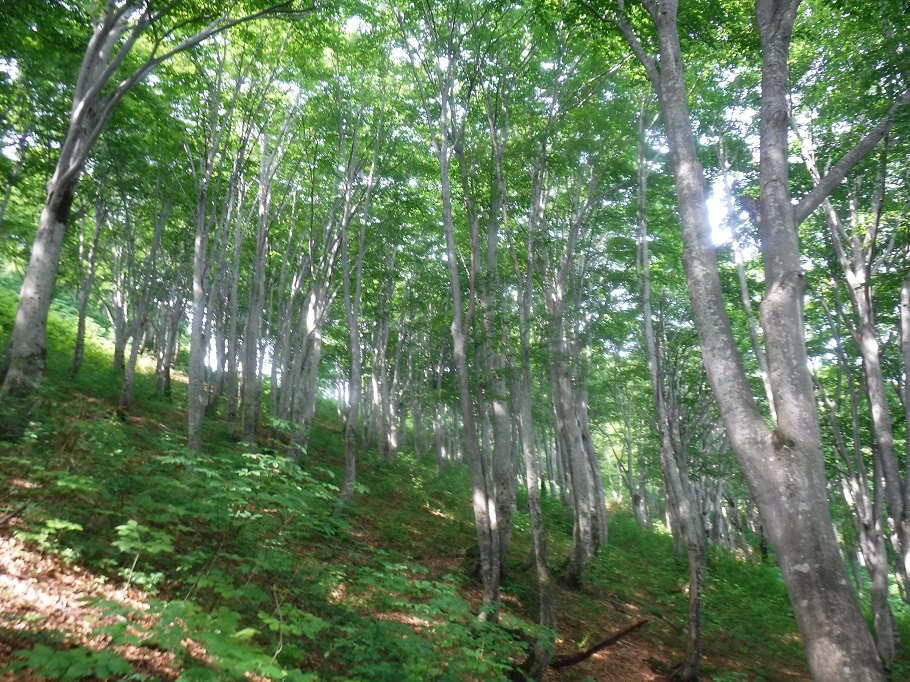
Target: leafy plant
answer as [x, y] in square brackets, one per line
[74, 664]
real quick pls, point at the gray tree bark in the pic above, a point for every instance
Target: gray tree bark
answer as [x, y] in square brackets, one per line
[85, 288]
[681, 502]
[784, 467]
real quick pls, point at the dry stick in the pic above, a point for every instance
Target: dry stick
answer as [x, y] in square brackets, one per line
[566, 661]
[6, 518]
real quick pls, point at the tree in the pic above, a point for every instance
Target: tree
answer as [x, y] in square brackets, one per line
[681, 500]
[118, 37]
[783, 466]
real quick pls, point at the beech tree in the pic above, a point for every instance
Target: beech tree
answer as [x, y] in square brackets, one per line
[107, 72]
[784, 466]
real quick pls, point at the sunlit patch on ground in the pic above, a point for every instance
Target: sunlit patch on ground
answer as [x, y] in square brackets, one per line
[39, 593]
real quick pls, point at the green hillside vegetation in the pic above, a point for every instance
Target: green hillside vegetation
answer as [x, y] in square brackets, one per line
[238, 567]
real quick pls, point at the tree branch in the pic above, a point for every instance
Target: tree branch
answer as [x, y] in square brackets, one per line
[566, 661]
[836, 175]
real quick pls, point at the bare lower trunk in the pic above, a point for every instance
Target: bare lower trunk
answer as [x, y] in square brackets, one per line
[24, 362]
[355, 374]
[195, 409]
[305, 397]
[784, 467]
[86, 289]
[681, 503]
[482, 495]
[585, 540]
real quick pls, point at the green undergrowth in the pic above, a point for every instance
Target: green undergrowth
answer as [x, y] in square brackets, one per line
[241, 554]
[248, 570]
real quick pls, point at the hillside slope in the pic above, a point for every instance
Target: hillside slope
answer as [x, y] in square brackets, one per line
[123, 557]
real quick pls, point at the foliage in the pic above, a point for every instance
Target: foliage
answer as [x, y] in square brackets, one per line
[74, 664]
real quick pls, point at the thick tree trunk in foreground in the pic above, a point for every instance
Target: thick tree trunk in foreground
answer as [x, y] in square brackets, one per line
[27, 351]
[784, 467]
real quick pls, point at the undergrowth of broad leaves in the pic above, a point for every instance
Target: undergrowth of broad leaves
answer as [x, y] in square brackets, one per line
[250, 570]
[245, 571]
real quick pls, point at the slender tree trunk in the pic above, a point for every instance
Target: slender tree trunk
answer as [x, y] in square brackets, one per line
[738, 258]
[857, 261]
[251, 385]
[233, 304]
[681, 502]
[866, 506]
[142, 307]
[543, 647]
[352, 302]
[196, 390]
[86, 288]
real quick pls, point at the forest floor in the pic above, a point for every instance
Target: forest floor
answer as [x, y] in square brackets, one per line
[52, 599]
[123, 557]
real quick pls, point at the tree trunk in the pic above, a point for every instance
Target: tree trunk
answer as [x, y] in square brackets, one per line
[352, 301]
[86, 288]
[141, 309]
[784, 467]
[25, 358]
[681, 503]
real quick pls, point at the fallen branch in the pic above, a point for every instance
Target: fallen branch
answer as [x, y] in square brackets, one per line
[6, 518]
[566, 661]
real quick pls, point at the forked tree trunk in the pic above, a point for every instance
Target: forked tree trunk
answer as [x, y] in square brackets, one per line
[784, 467]
[585, 530]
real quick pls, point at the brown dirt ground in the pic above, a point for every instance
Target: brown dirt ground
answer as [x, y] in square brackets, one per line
[42, 593]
